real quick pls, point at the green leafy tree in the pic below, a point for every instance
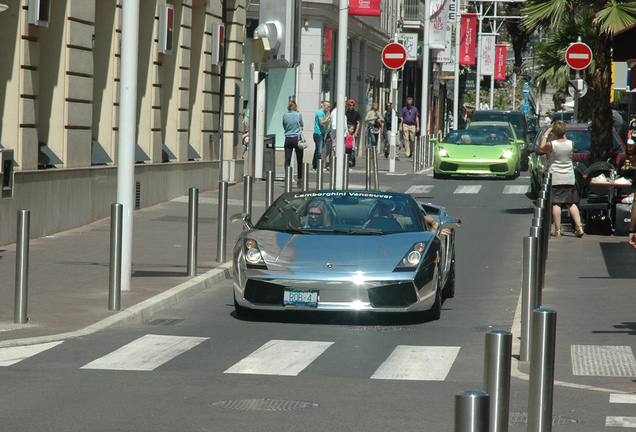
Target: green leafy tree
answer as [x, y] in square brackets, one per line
[596, 22]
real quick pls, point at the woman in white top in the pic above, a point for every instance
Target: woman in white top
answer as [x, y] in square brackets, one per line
[563, 184]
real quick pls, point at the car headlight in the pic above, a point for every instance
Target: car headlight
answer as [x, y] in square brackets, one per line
[443, 152]
[412, 258]
[507, 154]
[253, 256]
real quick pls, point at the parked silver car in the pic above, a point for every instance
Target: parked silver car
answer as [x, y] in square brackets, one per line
[345, 251]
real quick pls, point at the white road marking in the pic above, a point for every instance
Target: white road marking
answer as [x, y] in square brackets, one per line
[622, 398]
[419, 189]
[12, 355]
[620, 421]
[603, 360]
[279, 357]
[422, 363]
[146, 353]
[516, 190]
[468, 189]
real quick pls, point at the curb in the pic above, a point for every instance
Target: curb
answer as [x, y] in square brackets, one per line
[141, 311]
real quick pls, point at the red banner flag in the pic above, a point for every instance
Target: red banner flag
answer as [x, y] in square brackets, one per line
[500, 62]
[364, 7]
[469, 39]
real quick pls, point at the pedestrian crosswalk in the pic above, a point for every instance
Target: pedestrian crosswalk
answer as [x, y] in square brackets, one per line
[470, 189]
[621, 421]
[274, 357]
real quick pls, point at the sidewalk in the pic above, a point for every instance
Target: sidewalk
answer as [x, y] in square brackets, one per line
[68, 271]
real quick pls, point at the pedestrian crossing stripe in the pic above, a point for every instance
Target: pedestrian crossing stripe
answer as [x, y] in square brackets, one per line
[622, 398]
[146, 353]
[280, 357]
[516, 189]
[419, 189]
[422, 363]
[620, 421]
[468, 189]
[12, 355]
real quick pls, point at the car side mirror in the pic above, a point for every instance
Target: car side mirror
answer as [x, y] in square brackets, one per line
[243, 217]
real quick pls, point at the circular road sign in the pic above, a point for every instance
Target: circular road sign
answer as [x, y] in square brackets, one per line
[394, 55]
[578, 56]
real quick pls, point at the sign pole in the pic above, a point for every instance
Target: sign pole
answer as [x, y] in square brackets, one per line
[394, 126]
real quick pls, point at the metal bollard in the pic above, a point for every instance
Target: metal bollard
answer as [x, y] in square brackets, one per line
[367, 184]
[114, 270]
[528, 293]
[22, 267]
[547, 218]
[269, 188]
[334, 164]
[541, 387]
[415, 154]
[247, 194]
[222, 226]
[193, 229]
[497, 361]
[537, 231]
[472, 411]
[305, 182]
[319, 174]
[376, 180]
[345, 177]
[288, 178]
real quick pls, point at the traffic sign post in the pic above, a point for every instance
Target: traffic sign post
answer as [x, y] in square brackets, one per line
[393, 57]
[578, 56]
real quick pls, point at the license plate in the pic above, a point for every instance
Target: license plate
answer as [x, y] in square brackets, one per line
[301, 298]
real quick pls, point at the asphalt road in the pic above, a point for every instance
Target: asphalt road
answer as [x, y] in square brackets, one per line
[197, 367]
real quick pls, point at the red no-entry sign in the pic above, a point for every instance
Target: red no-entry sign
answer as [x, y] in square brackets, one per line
[578, 56]
[394, 55]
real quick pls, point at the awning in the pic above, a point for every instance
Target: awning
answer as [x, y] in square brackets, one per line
[624, 46]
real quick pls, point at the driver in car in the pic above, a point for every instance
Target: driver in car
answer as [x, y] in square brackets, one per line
[317, 215]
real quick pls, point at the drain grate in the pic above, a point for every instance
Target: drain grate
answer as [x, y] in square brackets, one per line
[264, 405]
[165, 321]
[378, 328]
[521, 418]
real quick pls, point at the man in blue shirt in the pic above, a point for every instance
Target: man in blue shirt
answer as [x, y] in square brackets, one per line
[409, 126]
[322, 117]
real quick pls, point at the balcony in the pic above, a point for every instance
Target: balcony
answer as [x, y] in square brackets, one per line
[413, 17]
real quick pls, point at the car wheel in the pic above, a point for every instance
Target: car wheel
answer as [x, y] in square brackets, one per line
[241, 311]
[435, 312]
[449, 286]
[439, 176]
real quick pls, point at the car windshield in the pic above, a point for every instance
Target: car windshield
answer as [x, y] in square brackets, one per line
[514, 118]
[342, 212]
[485, 136]
[582, 139]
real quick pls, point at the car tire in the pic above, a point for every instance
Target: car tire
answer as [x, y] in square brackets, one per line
[449, 286]
[439, 176]
[435, 312]
[241, 311]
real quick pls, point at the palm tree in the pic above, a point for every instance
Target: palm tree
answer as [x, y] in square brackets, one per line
[596, 22]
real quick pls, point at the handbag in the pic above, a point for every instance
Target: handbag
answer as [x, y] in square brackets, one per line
[302, 142]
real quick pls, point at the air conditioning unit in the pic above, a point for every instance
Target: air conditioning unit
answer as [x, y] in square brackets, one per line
[39, 12]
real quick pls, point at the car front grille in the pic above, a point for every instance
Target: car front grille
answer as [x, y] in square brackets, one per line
[447, 166]
[259, 292]
[500, 167]
[402, 294]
